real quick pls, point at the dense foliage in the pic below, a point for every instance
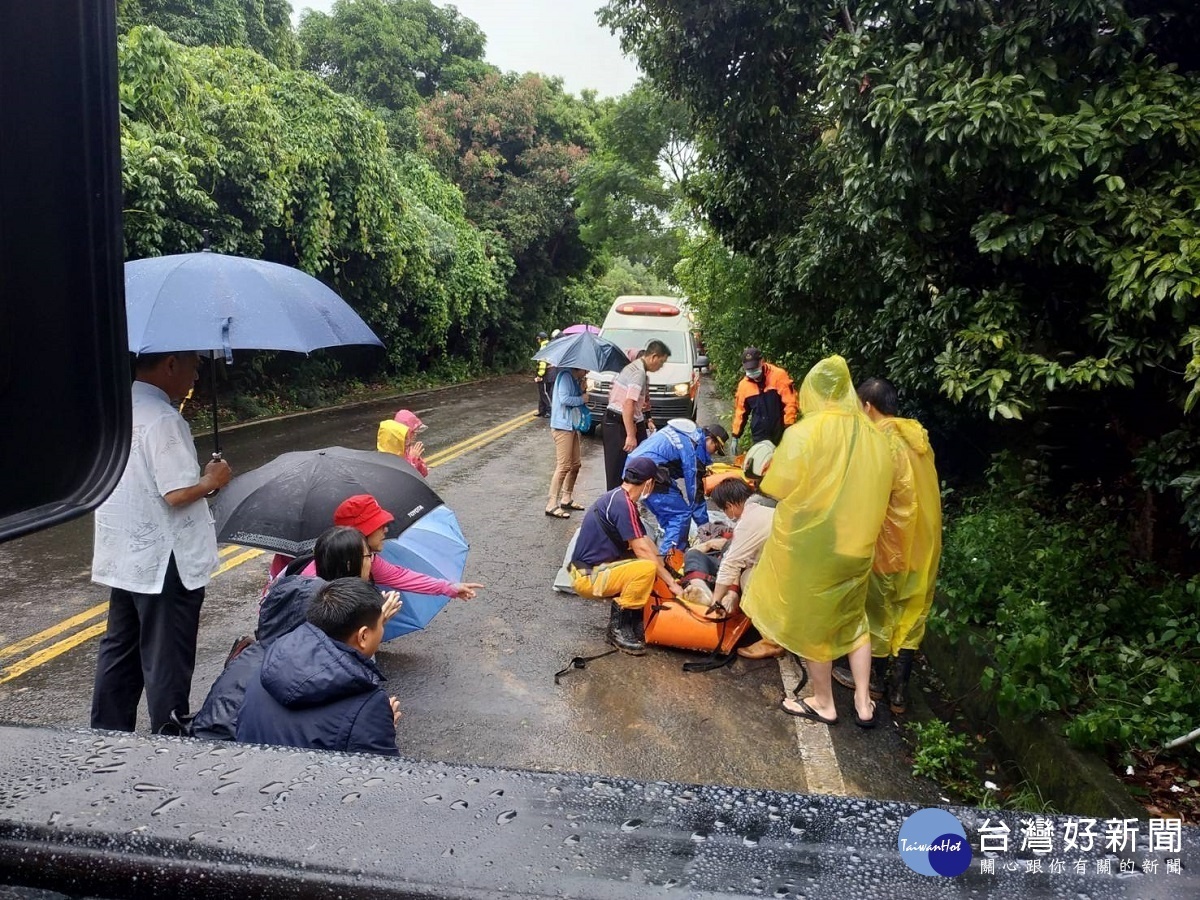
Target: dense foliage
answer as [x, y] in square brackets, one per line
[993, 202]
[276, 165]
[264, 26]
[1076, 624]
[393, 54]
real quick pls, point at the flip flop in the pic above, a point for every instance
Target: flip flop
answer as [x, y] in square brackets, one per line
[867, 723]
[572, 505]
[557, 514]
[806, 712]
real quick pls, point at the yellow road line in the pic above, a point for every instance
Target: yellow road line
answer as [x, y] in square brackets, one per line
[482, 440]
[41, 637]
[242, 557]
[485, 437]
[53, 631]
[231, 561]
[44, 656]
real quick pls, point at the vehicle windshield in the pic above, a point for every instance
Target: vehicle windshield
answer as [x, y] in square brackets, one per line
[637, 338]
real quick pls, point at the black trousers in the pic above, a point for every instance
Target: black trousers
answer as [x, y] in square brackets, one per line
[150, 643]
[543, 392]
[613, 434]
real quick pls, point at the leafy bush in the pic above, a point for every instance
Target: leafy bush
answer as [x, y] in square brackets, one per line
[1075, 623]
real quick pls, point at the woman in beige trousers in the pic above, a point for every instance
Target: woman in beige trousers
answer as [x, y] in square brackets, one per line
[567, 395]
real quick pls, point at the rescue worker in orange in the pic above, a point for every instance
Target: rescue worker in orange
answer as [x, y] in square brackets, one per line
[766, 398]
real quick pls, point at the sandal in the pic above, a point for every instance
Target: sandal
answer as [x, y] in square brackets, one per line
[867, 723]
[805, 711]
[558, 514]
[572, 505]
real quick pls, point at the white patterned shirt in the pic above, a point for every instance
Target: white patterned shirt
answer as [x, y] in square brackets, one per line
[633, 383]
[136, 529]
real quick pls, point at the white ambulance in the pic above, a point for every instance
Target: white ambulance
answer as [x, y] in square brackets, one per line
[632, 323]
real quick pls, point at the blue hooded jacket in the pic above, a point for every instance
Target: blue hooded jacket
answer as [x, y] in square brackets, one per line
[317, 693]
[679, 446]
[281, 611]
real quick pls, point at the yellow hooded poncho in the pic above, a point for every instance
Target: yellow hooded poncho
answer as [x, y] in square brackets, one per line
[901, 601]
[392, 438]
[833, 478]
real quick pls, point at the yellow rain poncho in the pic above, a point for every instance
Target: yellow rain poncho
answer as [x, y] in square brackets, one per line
[832, 476]
[392, 438]
[893, 548]
[913, 597]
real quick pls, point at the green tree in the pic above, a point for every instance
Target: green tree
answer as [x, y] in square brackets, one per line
[276, 165]
[631, 192]
[992, 200]
[261, 25]
[393, 54]
[515, 145]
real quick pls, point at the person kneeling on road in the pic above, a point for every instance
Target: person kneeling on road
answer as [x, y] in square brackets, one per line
[614, 558]
[319, 688]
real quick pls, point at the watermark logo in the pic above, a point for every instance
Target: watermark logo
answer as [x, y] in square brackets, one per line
[933, 842]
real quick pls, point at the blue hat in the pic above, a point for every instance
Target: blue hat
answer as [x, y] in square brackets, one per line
[640, 469]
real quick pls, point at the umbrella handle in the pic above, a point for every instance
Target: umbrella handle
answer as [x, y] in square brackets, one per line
[217, 454]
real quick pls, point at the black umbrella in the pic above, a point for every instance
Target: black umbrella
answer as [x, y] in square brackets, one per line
[286, 504]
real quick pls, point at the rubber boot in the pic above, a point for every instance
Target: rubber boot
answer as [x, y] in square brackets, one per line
[623, 631]
[843, 676]
[901, 673]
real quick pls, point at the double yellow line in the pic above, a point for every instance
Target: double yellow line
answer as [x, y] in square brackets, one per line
[43, 656]
[232, 556]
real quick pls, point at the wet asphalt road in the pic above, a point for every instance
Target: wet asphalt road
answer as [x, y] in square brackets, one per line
[477, 686]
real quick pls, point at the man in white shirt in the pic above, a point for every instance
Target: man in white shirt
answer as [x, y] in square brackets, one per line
[155, 547]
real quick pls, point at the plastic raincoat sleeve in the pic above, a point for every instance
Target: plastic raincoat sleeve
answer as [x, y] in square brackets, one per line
[832, 476]
[893, 549]
[917, 592]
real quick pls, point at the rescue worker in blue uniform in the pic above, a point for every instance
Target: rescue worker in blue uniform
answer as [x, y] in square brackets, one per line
[682, 451]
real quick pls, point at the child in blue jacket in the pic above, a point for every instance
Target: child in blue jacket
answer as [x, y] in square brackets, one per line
[319, 688]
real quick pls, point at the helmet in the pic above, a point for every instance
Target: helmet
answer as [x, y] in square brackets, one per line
[542, 335]
[555, 333]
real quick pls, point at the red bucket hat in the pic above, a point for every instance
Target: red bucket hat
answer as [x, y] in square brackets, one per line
[362, 511]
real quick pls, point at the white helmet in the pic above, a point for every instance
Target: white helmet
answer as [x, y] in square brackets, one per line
[555, 333]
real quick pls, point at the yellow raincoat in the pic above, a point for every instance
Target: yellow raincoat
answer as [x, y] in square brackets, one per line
[832, 476]
[392, 438]
[913, 598]
[893, 548]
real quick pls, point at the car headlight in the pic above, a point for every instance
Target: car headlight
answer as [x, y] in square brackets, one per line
[682, 390]
[593, 384]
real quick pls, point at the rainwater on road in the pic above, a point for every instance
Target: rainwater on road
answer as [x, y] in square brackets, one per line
[477, 686]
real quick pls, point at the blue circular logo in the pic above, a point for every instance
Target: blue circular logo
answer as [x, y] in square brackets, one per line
[933, 842]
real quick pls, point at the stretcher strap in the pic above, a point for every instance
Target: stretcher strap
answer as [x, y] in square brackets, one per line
[580, 662]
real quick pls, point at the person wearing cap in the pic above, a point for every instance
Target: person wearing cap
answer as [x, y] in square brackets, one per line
[614, 558]
[362, 511]
[683, 451]
[543, 387]
[398, 435]
[766, 398]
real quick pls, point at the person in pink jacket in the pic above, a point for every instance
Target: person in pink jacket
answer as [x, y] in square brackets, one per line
[363, 512]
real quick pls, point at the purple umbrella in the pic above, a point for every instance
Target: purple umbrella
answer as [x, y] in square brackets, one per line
[579, 329]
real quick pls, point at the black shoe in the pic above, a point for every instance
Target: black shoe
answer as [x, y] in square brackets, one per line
[898, 690]
[623, 630]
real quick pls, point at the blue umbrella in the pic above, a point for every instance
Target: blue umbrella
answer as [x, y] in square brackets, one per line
[217, 304]
[583, 351]
[434, 545]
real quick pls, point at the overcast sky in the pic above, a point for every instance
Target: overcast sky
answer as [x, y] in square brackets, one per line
[555, 37]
